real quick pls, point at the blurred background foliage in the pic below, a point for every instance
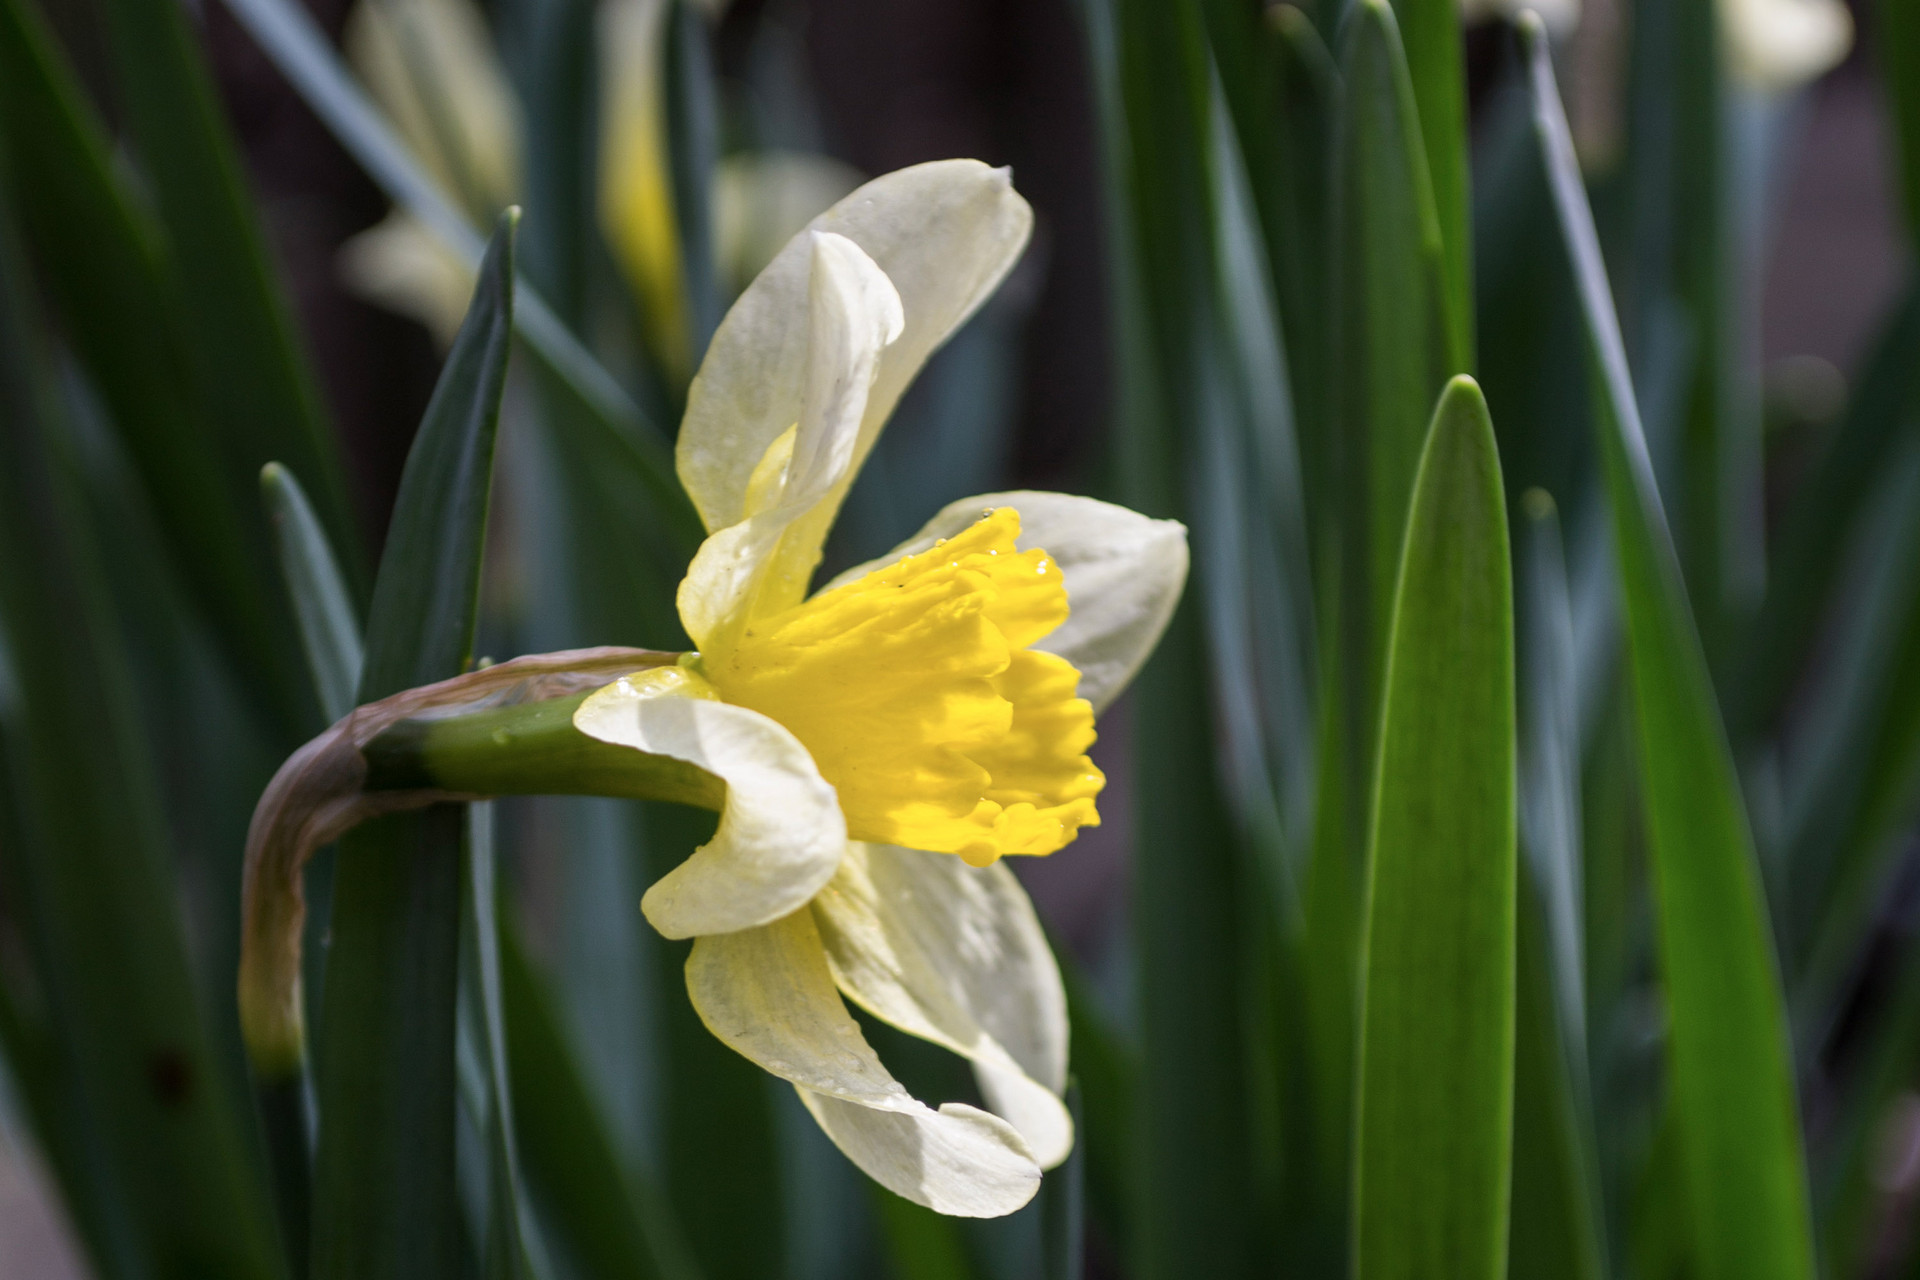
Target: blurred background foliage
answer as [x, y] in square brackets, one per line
[1670, 238]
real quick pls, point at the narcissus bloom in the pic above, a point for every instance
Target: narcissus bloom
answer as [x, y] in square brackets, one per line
[433, 67]
[882, 742]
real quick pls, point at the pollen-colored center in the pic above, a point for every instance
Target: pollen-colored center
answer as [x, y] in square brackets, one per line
[917, 693]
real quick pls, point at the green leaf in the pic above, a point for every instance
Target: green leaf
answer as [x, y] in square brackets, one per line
[1435, 1110]
[1063, 1195]
[920, 1243]
[1686, 309]
[1436, 67]
[611, 1225]
[237, 329]
[1853, 783]
[1388, 356]
[1555, 1230]
[330, 636]
[693, 151]
[1850, 1195]
[1394, 350]
[384, 1203]
[719, 1150]
[504, 1237]
[1280, 85]
[1197, 1212]
[1897, 26]
[1106, 1077]
[102, 262]
[329, 631]
[1732, 1092]
[1808, 550]
[142, 1118]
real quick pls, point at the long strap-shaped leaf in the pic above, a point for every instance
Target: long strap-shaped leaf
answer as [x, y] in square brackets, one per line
[1435, 1108]
[239, 331]
[1732, 1087]
[1898, 23]
[1437, 67]
[1197, 1214]
[139, 1116]
[1394, 351]
[384, 1203]
[612, 1225]
[103, 264]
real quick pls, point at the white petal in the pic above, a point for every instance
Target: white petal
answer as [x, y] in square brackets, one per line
[945, 234]
[767, 994]
[954, 954]
[400, 265]
[1124, 574]
[853, 313]
[432, 65]
[781, 833]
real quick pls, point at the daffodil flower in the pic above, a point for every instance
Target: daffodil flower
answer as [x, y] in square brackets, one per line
[433, 67]
[874, 748]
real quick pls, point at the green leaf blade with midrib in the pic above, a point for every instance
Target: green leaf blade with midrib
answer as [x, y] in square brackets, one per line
[1732, 1103]
[1435, 1107]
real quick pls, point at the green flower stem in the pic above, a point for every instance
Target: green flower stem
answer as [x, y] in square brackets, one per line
[528, 749]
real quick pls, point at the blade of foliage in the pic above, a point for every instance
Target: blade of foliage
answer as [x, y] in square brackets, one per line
[1105, 1075]
[1685, 312]
[1897, 24]
[1280, 85]
[693, 150]
[330, 637]
[550, 51]
[1436, 68]
[329, 631]
[1260, 637]
[158, 1157]
[1854, 782]
[1813, 535]
[720, 1152]
[1555, 1229]
[920, 1244]
[1732, 1093]
[236, 326]
[1389, 356]
[609, 1225]
[623, 433]
[101, 261]
[1063, 1205]
[1850, 1187]
[504, 1253]
[383, 1179]
[1550, 760]
[1393, 355]
[1435, 1108]
[1196, 1211]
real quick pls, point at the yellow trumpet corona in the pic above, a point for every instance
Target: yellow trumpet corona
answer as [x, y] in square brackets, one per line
[917, 693]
